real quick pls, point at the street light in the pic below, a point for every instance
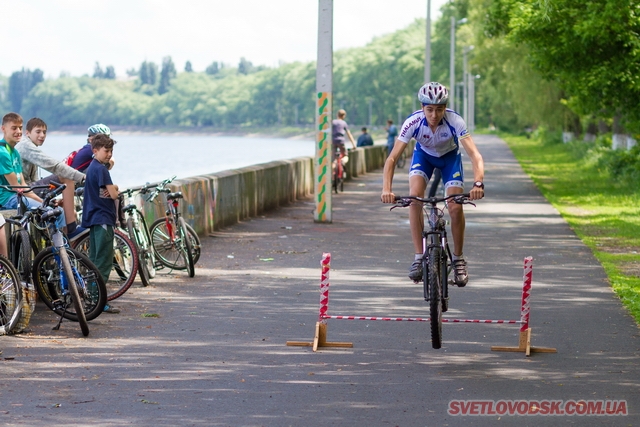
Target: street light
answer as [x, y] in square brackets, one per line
[427, 54]
[452, 59]
[465, 87]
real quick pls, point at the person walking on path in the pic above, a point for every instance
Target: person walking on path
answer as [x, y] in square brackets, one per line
[438, 132]
[392, 133]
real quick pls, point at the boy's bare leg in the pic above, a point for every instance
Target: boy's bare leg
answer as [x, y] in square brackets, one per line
[69, 205]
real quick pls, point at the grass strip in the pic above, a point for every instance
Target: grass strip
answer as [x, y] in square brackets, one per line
[602, 210]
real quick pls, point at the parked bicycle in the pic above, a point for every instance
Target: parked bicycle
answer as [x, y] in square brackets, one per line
[176, 244]
[437, 258]
[25, 240]
[136, 226]
[10, 296]
[66, 280]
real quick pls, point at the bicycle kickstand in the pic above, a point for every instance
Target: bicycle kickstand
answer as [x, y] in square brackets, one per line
[58, 304]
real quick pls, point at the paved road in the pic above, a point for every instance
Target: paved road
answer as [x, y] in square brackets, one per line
[216, 354]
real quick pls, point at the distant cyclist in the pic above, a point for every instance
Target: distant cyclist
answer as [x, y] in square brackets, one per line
[438, 132]
[340, 130]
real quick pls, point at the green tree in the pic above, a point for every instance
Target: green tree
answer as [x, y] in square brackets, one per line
[213, 69]
[589, 47]
[110, 73]
[187, 67]
[97, 71]
[20, 84]
[167, 73]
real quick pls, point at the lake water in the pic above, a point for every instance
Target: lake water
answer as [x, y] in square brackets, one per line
[150, 158]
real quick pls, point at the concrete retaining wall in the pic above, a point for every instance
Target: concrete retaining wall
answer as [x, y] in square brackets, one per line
[214, 201]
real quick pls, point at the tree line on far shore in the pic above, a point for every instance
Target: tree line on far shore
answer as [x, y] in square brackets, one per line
[559, 64]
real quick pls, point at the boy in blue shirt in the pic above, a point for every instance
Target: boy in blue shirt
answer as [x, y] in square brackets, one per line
[99, 207]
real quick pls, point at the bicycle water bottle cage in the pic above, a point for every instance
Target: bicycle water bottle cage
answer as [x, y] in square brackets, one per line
[174, 196]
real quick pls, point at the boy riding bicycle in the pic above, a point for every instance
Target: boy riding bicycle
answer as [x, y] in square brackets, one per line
[438, 132]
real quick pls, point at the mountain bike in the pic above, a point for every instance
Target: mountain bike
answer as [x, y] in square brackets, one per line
[136, 226]
[176, 245]
[66, 280]
[437, 261]
[24, 239]
[10, 295]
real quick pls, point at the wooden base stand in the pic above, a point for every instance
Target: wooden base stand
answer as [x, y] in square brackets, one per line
[524, 346]
[320, 339]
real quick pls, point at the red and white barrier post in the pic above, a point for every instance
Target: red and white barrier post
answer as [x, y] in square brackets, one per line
[320, 339]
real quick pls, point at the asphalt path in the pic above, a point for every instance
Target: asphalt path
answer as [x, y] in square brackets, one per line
[210, 351]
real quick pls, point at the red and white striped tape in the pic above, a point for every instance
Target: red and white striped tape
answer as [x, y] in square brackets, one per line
[524, 310]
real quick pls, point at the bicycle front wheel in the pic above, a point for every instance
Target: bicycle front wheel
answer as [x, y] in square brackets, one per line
[195, 243]
[435, 295]
[10, 296]
[134, 236]
[91, 287]
[75, 287]
[125, 263]
[186, 247]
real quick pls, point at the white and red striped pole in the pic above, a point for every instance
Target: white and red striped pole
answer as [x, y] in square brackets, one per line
[526, 293]
[324, 287]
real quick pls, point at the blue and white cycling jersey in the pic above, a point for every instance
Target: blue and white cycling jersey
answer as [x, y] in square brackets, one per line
[437, 143]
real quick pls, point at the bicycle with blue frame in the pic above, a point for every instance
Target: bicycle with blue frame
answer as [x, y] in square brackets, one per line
[65, 279]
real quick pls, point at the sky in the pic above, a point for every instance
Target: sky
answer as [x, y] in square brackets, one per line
[70, 36]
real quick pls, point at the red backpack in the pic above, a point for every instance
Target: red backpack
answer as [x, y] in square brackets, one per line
[69, 160]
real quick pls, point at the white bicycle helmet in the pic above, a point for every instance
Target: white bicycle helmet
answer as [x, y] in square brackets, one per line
[99, 128]
[433, 94]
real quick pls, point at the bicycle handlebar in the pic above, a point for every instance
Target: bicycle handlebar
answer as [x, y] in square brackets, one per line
[460, 198]
[24, 188]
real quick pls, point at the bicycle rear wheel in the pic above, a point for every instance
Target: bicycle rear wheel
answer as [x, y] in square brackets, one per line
[125, 263]
[21, 253]
[402, 160]
[435, 295]
[165, 244]
[46, 278]
[10, 296]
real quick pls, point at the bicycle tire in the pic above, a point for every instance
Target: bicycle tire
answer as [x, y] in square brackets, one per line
[146, 238]
[435, 293]
[72, 285]
[165, 249]
[187, 249]
[143, 272]
[444, 272]
[21, 253]
[46, 278]
[402, 160]
[125, 263]
[10, 296]
[195, 243]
